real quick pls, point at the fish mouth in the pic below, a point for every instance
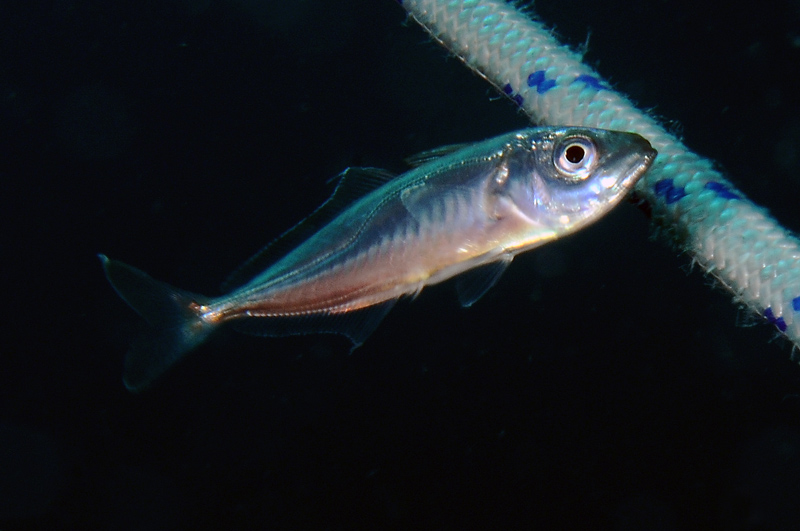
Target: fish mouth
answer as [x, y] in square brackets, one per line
[629, 168]
[640, 165]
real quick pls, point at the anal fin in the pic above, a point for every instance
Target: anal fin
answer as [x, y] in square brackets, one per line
[356, 325]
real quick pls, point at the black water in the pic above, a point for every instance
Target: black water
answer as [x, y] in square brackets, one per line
[598, 386]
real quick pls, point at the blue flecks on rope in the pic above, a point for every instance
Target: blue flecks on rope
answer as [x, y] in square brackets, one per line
[777, 321]
[508, 90]
[667, 189]
[591, 81]
[541, 83]
[796, 304]
[722, 190]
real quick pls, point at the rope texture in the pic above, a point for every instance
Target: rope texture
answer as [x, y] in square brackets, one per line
[727, 235]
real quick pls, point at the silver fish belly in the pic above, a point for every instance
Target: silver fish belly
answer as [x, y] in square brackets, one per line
[379, 238]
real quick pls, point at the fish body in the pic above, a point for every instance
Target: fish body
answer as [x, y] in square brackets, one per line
[468, 210]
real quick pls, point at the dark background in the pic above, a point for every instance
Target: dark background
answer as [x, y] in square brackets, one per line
[600, 385]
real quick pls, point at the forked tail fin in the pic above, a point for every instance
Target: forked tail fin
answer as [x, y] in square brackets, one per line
[177, 326]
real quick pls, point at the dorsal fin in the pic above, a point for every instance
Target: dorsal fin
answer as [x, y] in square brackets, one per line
[432, 154]
[353, 184]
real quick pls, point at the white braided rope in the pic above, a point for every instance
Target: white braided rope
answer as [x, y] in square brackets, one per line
[729, 236]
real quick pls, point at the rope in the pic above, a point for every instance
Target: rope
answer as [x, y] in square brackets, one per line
[727, 235]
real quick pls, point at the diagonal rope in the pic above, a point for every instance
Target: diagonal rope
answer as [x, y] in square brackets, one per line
[726, 234]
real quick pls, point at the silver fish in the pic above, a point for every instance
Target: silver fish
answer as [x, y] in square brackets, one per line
[466, 209]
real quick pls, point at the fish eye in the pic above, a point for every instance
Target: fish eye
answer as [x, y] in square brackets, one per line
[574, 153]
[575, 157]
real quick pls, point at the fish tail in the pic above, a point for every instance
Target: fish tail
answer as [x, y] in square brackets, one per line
[177, 324]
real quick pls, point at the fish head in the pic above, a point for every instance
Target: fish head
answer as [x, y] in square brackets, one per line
[564, 178]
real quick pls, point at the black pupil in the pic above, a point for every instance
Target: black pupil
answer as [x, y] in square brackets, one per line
[575, 153]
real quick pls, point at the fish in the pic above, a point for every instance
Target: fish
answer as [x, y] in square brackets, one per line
[461, 211]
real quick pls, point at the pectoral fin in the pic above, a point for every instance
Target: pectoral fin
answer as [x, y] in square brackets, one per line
[472, 284]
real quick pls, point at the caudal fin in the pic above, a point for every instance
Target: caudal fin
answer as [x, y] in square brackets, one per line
[176, 324]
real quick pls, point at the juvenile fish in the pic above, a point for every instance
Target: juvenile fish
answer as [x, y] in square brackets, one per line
[466, 211]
